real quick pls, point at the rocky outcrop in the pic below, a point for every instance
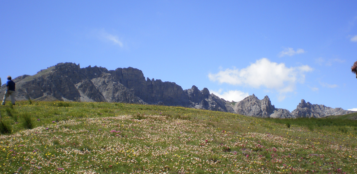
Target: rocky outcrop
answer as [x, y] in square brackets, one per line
[252, 106]
[214, 103]
[308, 110]
[69, 82]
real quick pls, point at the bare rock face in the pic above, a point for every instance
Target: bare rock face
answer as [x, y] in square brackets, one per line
[252, 106]
[307, 110]
[69, 82]
[214, 103]
[281, 113]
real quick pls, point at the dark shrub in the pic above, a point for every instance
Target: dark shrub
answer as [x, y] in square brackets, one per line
[63, 104]
[310, 127]
[8, 112]
[28, 124]
[5, 128]
[343, 130]
[139, 116]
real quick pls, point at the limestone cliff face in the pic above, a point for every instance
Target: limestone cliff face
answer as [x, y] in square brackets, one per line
[69, 82]
[307, 110]
[252, 106]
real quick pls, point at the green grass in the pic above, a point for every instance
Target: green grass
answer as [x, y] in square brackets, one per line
[73, 137]
[343, 124]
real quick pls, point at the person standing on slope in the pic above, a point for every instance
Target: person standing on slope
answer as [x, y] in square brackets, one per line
[10, 91]
[354, 68]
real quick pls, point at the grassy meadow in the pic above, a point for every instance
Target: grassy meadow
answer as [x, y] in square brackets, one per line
[80, 137]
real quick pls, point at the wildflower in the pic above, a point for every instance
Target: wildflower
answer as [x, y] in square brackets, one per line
[60, 168]
[46, 128]
[38, 119]
[53, 121]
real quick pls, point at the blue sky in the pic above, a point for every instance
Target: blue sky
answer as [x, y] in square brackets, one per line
[288, 50]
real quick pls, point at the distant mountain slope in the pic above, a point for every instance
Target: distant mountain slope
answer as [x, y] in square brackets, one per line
[69, 82]
[252, 106]
[317, 111]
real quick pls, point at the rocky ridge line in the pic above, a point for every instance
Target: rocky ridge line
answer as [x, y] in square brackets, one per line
[252, 106]
[69, 82]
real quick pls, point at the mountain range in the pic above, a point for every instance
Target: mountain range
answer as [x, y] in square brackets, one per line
[69, 82]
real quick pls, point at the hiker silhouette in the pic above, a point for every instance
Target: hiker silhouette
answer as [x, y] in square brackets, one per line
[354, 68]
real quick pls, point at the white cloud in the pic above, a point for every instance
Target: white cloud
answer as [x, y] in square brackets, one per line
[354, 39]
[353, 109]
[114, 39]
[103, 35]
[290, 52]
[320, 61]
[328, 85]
[338, 60]
[314, 88]
[264, 73]
[231, 95]
[328, 62]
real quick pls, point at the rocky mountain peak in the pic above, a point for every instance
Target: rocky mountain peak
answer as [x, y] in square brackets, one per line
[252, 98]
[306, 109]
[252, 106]
[303, 101]
[194, 89]
[266, 99]
[66, 66]
[205, 93]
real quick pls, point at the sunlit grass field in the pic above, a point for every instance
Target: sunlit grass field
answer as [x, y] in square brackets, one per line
[74, 137]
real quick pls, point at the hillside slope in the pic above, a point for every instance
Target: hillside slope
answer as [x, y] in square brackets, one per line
[103, 137]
